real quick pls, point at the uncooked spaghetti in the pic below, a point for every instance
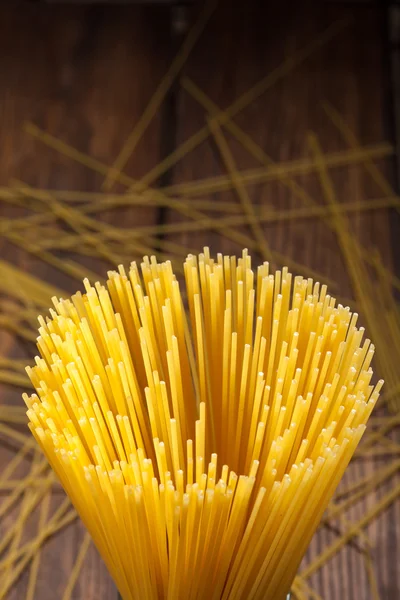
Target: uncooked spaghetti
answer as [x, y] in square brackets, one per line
[201, 451]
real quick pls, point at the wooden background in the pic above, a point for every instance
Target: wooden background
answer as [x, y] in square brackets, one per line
[85, 75]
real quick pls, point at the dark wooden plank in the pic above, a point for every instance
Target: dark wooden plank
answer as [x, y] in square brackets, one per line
[85, 76]
[244, 45]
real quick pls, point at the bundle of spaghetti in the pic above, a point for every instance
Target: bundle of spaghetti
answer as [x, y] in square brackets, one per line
[201, 449]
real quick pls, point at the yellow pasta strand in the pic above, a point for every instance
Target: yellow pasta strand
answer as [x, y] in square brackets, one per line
[44, 510]
[77, 567]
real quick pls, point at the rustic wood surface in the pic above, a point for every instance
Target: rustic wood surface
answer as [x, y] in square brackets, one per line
[85, 75]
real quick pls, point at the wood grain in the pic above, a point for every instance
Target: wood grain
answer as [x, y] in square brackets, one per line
[243, 46]
[85, 76]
